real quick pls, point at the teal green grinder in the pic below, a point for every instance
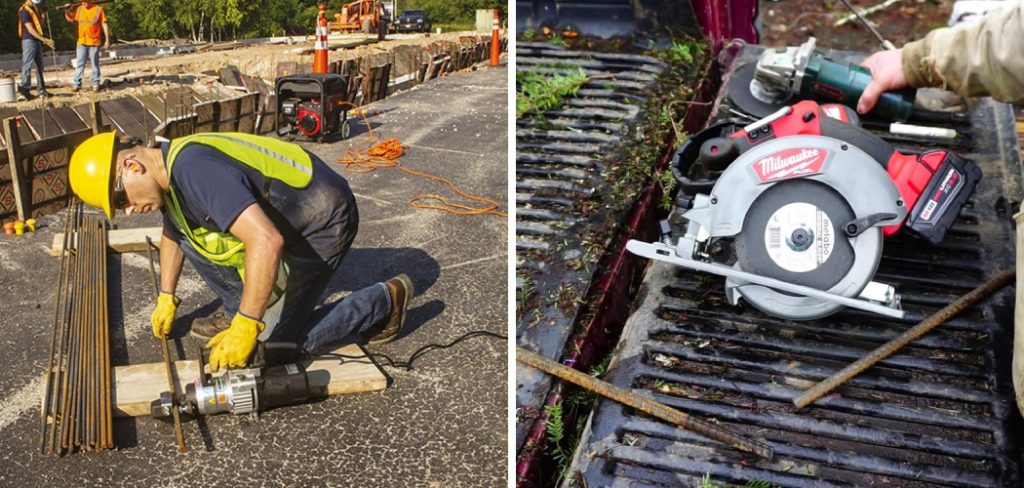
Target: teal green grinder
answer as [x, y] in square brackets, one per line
[828, 81]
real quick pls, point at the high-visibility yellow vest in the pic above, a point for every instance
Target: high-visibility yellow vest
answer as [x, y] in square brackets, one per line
[274, 159]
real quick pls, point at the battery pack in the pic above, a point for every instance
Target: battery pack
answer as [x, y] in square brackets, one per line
[951, 185]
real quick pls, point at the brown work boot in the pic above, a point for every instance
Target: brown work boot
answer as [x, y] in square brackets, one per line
[207, 327]
[401, 291]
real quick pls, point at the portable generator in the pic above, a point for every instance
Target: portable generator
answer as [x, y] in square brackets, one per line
[313, 105]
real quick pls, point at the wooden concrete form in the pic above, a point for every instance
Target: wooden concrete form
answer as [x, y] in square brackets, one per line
[135, 386]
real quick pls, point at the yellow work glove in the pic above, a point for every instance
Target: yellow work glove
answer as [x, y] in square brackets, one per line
[163, 314]
[231, 348]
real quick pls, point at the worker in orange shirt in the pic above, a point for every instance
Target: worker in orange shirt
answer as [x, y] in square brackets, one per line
[89, 17]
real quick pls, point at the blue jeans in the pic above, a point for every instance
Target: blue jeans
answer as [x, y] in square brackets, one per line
[93, 53]
[335, 324]
[31, 54]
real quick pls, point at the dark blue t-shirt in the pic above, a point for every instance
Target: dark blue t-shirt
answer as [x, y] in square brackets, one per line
[214, 188]
[25, 18]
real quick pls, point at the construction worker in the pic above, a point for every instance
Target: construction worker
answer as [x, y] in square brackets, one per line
[262, 221]
[970, 59]
[30, 29]
[89, 17]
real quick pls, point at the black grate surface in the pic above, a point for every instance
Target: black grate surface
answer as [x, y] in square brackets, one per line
[561, 194]
[940, 412]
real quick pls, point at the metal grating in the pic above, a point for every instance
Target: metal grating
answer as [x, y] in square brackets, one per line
[941, 412]
[561, 190]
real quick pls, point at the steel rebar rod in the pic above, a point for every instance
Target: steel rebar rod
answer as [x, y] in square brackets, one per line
[66, 373]
[644, 404]
[820, 389]
[48, 417]
[108, 408]
[179, 434]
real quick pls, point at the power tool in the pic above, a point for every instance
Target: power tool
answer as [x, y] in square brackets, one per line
[796, 219]
[238, 391]
[785, 75]
[313, 105]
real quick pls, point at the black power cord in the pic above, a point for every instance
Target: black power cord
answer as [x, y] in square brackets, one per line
[407, 364]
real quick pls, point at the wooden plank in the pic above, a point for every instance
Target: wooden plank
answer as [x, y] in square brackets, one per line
[41, 123]
[135, 386]
[14, 156]
[67, 119]
[65, 141]
[118, 240]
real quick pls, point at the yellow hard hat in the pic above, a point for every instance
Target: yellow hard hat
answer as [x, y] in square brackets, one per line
[91, 171]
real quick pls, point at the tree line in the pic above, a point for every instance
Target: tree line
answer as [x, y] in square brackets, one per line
[216, 20]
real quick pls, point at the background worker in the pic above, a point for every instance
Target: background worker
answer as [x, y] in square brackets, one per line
[976, 59]
[258, 218]
[30, 29]
[89, 17]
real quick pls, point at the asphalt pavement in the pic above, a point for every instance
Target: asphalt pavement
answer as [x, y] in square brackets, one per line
[442, 424]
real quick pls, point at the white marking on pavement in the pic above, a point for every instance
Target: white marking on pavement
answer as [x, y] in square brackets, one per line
[456, 151]
[368, 197]
[473, 261]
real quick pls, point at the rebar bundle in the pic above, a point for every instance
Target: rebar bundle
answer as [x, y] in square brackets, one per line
[77, 414]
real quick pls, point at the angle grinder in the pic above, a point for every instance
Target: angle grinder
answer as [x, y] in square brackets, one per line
[786, 75]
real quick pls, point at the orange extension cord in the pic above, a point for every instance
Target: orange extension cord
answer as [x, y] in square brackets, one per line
[385, 154]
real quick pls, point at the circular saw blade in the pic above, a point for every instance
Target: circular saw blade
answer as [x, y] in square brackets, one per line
[793, 232]
[738, 91]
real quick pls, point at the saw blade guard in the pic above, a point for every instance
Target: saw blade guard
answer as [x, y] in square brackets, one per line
[858, 178]
[846, 170]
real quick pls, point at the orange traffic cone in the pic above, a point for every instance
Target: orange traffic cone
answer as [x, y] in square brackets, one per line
[495, 40]
[320, 47]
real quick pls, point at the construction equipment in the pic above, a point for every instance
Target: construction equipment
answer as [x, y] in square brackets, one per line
[360, 16]
[237, 391]
[795, 221]
[313, 105]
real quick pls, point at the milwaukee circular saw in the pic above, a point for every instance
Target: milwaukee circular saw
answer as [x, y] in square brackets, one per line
[796, 220]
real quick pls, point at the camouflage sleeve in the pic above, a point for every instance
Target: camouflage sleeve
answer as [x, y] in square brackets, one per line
[976, 59]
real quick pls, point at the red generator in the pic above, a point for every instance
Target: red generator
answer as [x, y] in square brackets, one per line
[313, 105]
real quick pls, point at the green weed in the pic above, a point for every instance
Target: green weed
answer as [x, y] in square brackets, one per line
[540, 92]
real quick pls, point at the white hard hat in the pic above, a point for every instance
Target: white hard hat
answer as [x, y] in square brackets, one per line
[37, 2]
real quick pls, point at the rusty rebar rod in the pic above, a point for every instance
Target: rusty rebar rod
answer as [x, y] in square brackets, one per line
[48, 417]
[820, 389]
[108, 409]
[644, 404]
[179, 434]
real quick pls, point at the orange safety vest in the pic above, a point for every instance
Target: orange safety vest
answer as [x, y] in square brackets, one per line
[34, 14]
[89, 20]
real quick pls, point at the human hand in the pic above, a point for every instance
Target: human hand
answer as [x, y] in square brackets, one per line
[886, 69]
[106, 46]
[48, 42]
[163, 314]
[231, 348]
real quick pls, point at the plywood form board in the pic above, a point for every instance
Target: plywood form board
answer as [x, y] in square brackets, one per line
[228, 120]
[41, 123]
[206, 115]
[230, 76]
[84, 111]
[130, 117]
[67, 119]
[135, 386]
[118, 240]
[248, 107]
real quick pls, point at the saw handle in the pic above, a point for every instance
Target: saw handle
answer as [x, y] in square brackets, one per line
[807, 118]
